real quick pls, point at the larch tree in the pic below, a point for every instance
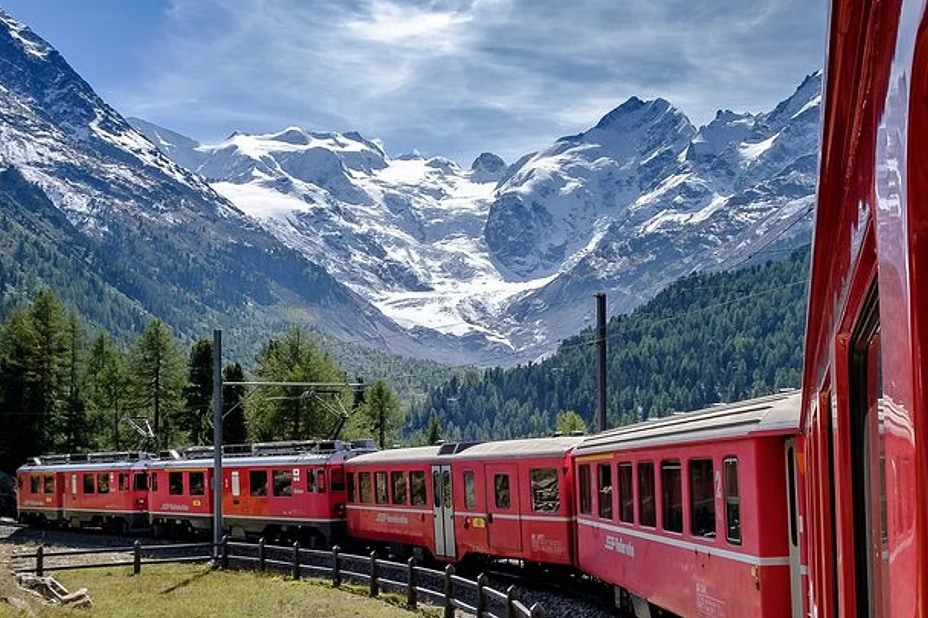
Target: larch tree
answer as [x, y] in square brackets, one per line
[297, 412]
[107, 381]
[157, 379]
[381, 411]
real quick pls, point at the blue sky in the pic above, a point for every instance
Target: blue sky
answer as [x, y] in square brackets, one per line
[444, 77]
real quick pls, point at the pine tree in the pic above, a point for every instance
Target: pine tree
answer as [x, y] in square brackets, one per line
[233, 404]
[433, 436]
[194, 418]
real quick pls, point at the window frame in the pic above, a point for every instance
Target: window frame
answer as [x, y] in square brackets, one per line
[626, 492]
[399, 488]
[672, 511]
[539, 502]
[260, 488]
[282, 483]
[605, 498]
[585, 489]
[381, 487]
[731, 500]
[418, 488]
[703, 512]
[502, 488]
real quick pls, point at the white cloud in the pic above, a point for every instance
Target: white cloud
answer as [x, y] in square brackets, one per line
[456, 77]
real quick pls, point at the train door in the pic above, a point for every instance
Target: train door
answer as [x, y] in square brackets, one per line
[61, 489]
[443, 511]
[503, 521]
[871, 551]
[795, 556]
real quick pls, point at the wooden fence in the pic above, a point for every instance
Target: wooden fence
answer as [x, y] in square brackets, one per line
[474, 597]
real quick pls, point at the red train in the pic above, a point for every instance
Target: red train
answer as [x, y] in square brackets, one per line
[865, 398]
[293, 490]
[509, 499]
[696, 514]
[770, 508]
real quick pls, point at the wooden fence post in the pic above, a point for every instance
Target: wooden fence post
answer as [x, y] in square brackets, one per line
[481, 594]
[261, 554]
[336, 568]
[375, 574]
[412, 598]
[449, 592]
[537, 611]
[136, 557]
[512, 596]
[40, 561]
[224, 555]
[296, 560]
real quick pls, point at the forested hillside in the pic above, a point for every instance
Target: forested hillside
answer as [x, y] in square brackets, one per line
[705, 339]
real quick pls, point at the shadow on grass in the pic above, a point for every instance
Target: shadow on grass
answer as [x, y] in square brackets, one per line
[187, 581]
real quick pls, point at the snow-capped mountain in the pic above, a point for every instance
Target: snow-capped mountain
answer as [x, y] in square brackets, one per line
[148, 232]
[507, 258]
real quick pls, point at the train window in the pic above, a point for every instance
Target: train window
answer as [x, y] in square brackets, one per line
[140, 481]
[380, 487]
[310, 482]
[154, 481]
[546, 496]
[446, 488]
[398, 483]
[647, 513]
[365, 491]
[175, 483]
[338, 479]
[257, 482]
[351, 494]
[501, 491]
[282, 483]
[197, 483]
[49, 483]
[702, 498]
[35, 484]
[417, 487]
[320, 480]
[671, 496]
[626, 494]
[470, 491]
[90, 485]
[103, 483]
[604, 489]
[586, 497]
[123, 481]
[732, 500]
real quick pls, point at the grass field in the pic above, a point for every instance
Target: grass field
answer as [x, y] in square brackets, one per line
[179, 591]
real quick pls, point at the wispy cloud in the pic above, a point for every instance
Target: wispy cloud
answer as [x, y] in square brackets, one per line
[456, 77]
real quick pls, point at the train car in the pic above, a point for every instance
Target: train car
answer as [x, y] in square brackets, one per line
[512, 499]
[505, 499]
[696, 514]
[107, 490]
[865, 403]
[281, 491]
[391, 498]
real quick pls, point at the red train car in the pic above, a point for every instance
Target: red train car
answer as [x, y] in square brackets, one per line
[865, 404]
[507, 499]
[696, 514]
[293, 490]
[107, 490]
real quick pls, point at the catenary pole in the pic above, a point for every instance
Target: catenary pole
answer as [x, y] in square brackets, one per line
[601, 365]
[217, 442]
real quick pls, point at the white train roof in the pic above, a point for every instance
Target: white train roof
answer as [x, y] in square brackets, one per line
[503, 449]
[774, 414]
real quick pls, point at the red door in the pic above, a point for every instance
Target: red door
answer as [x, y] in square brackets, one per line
[503, 523]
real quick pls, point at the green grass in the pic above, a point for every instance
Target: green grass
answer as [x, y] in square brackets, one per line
[178, 591]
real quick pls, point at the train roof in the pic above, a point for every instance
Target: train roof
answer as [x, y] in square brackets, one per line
[526, 447]
[503, 449]
[771, 415]
[399, 455]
